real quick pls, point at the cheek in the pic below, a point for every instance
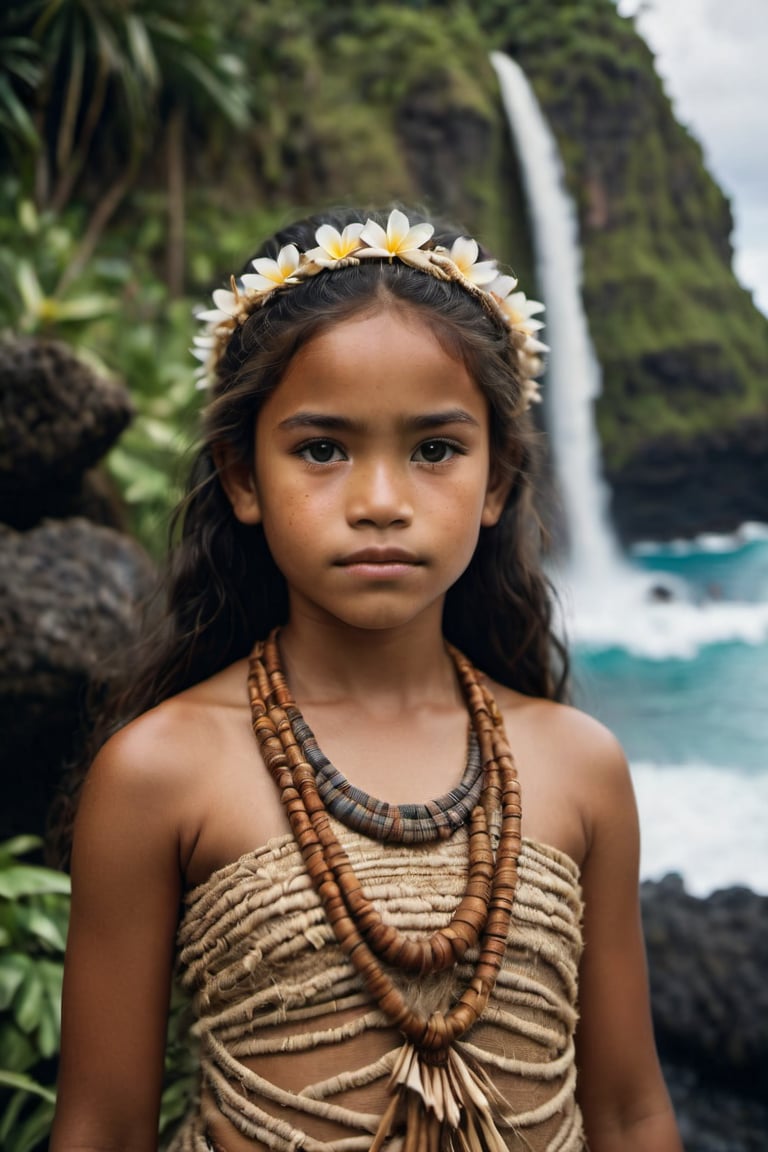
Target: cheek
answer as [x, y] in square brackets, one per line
[291, 521]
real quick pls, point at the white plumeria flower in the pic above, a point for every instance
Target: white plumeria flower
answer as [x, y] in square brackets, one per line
[203, 351]
[271, 274]
[464, 253]
[335, 246]
[399, 238]
[520, 312]
[226, 307]
[521, 309]
[226, 301]
[502, 287]
[531, 393]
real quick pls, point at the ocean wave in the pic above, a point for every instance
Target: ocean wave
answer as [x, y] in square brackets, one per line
[667, 629]
[705, 822]
[707, 543]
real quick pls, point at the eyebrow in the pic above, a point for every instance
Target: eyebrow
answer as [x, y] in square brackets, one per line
[332, 423]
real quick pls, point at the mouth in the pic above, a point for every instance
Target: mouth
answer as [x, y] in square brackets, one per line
[381, 557]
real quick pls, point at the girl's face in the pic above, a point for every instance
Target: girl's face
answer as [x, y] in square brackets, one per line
[372, 472]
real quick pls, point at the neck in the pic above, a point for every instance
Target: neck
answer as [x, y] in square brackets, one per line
[397, 668]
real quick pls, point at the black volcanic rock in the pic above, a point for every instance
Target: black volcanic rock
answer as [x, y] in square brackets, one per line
[57, 419]
[68, 595]
[708, 960]
[720, 480]
[713, 1118]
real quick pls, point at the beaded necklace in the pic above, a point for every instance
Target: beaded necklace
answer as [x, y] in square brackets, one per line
[443, 1101]
[400, 823]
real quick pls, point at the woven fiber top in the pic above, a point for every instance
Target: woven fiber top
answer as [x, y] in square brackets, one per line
[292, 1053]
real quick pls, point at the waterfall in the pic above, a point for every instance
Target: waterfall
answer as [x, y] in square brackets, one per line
[610, 602]
[573, 373]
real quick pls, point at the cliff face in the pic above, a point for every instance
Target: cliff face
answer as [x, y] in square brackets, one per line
[364, 104]
[683, 417]
[373, 103]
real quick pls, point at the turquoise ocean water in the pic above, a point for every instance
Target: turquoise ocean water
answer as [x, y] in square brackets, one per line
[684, 685]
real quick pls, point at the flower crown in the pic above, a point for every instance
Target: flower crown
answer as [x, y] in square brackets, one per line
[481, 278]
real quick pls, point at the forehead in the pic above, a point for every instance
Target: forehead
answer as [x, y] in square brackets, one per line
[391, 359]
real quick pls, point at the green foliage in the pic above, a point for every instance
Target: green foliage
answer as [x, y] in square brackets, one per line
[181, 1066]
[146, 342]
[34, 913]
[34, 910]
[35, 249]
[20, 73]
[109, 68]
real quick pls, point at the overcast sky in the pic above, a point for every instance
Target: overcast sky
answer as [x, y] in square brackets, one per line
[713, 58]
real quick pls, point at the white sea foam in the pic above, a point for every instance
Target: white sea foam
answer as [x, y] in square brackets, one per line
[660, 630]
[709, 542]
[707, 823]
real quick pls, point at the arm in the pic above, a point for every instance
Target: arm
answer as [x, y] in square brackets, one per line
[620, 1087]
[126, 890]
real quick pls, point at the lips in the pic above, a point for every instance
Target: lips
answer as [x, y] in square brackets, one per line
[383, 556]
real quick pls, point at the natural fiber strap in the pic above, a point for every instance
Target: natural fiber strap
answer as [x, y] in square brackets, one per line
[403, 823]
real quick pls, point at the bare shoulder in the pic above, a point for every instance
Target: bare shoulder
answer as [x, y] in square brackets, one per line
[167, 740]
[573, 771]
[563, 734]
[161, 769]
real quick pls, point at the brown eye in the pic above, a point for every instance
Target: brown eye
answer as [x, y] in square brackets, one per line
[434, 451]
[320, 452]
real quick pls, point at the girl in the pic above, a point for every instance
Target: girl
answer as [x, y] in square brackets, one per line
[395, 973]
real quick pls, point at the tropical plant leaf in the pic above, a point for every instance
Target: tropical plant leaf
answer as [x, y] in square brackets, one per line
[9, 1118]
[14, 116]
[28, 1002]
[28, 1134]
[19, 845]
[22, 1083]
[39, 923]
[14, 969]
[17, 1051]
[31, 880]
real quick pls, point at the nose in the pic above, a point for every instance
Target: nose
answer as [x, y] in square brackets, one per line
[379, 494]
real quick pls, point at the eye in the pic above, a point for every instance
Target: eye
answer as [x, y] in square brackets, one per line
[320, 452]
[435, 451]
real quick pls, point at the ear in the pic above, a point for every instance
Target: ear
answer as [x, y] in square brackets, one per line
[495, 498]
[238, 482]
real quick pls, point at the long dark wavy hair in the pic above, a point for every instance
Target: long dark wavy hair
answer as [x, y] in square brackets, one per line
[222, 589]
